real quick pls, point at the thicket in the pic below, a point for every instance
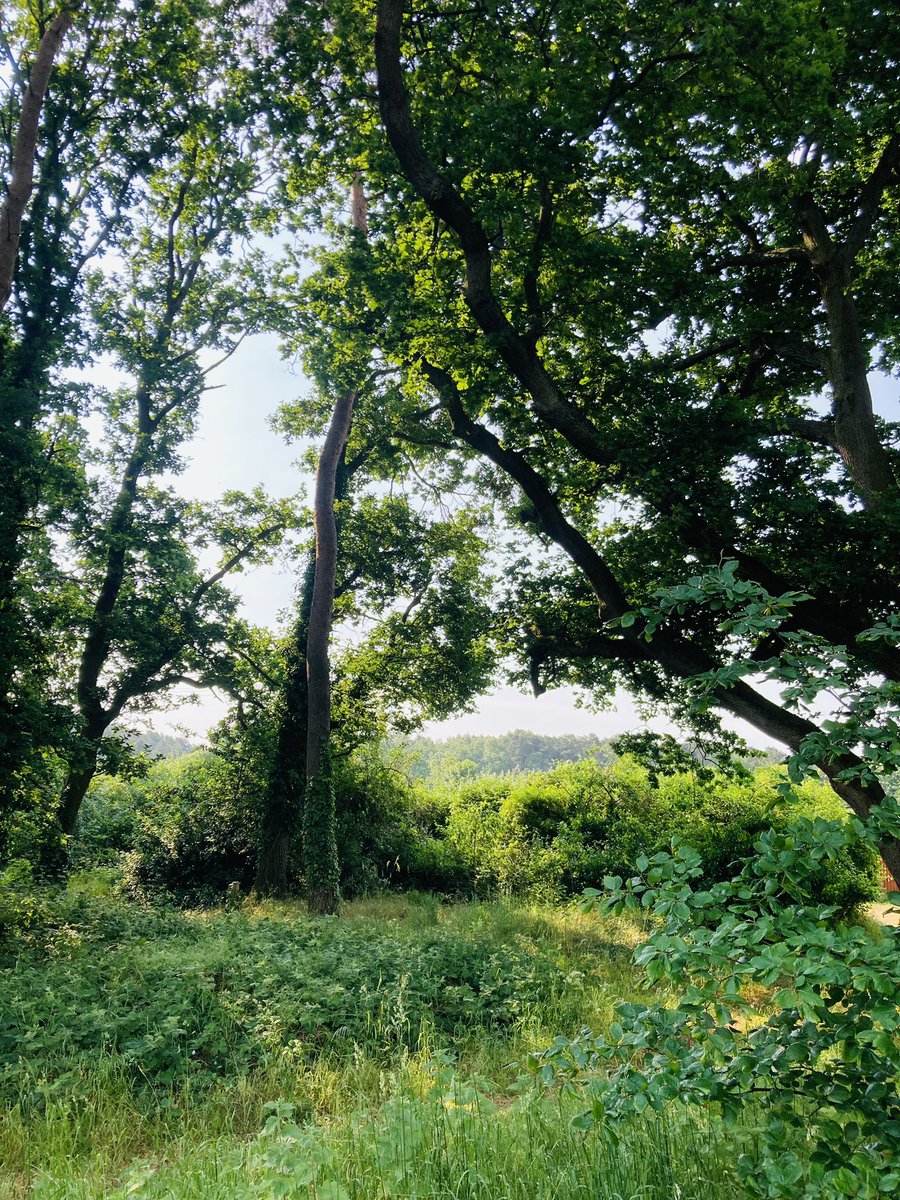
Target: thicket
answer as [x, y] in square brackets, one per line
[186, 829]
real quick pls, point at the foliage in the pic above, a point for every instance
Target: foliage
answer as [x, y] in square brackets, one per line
[377, 822]
[565, 830]
[192, 834]
[274, 1096]
[182, 829]
[611, 270]
[184, 1001]
[108, 822]
[822, 1062]
[186, 828]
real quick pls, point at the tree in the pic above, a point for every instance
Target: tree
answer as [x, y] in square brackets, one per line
[21, 182]
[174, 298]
[414, 582]
[566, 198]
[114, 113]
[413, 647]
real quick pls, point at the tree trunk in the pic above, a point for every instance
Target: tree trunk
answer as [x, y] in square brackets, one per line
[273, 864]
[319, 838]
[98, 639]
[319, 833]
[284, 799]
[22, 173]
[54, 852]
[855, 434]
[75, 789]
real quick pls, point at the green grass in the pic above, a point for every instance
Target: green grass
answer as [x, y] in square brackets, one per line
[151, 1053]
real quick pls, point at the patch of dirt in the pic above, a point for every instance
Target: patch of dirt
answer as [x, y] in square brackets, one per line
[885, 913]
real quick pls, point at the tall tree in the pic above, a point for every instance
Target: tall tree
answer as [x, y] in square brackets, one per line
[612, 272]
[412, 606]
[319, 839]
[113, 113]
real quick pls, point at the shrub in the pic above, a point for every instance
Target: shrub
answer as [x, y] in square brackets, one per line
[821, 1061]
[22, 909]
[194, 835]
[107, 823]
[565, 830]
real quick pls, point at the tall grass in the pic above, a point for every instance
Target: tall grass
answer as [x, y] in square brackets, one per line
[413, 1085]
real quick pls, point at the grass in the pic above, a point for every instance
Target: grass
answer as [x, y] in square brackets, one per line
[264, 1054]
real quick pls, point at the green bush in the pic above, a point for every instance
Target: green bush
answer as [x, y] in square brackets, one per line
[188, 828]
[376, 826]
[194, 835]
[107, 823]
[820, 1062]
[22, 910]
[564, 830]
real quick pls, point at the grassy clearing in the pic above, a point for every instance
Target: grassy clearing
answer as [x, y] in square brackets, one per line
[264, 1054]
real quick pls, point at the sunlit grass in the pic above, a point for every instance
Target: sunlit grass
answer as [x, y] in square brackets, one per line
[397, 1104]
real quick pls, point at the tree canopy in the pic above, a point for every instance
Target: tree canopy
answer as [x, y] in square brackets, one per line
[626, 272]
[635, 263]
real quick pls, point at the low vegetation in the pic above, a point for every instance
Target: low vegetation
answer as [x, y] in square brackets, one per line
[478, 1036]
[182, 829]
[156, 1052]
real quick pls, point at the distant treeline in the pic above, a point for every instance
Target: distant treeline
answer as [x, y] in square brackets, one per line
[468, 756]
[161, 745]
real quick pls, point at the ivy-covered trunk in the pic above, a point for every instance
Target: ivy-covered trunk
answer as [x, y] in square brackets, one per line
[281, 818]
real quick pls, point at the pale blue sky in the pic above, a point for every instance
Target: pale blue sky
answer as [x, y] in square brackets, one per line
[235, 447]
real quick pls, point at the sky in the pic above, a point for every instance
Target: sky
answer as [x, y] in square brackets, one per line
[235, 447]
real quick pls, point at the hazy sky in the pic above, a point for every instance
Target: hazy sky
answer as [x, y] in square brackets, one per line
[236, 448]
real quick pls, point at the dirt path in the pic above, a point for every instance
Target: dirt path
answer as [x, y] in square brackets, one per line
[887, 914]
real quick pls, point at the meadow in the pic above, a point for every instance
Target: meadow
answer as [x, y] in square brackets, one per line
[149, 1052]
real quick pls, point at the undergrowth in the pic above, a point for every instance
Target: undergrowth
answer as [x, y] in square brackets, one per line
[155, 1053]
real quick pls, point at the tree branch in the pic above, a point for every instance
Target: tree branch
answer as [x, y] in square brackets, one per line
[21, 181]
[870, 197]
[550, 516]
[236, 558]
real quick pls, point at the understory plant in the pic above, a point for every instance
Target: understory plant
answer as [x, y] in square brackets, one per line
[779, 1008]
